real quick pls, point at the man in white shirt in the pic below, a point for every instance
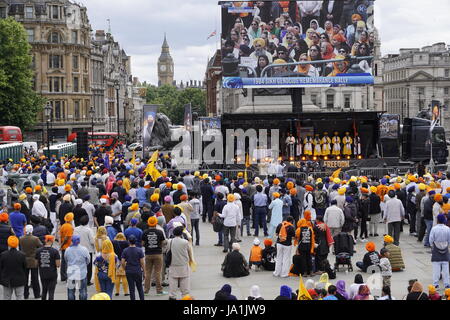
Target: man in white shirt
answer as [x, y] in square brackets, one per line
[230, 213]
[50, 178]
[394, 214]
[90, 209]
[38, 209]
[116, 211]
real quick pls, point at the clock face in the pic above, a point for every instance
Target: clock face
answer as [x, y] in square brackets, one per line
[162, 68]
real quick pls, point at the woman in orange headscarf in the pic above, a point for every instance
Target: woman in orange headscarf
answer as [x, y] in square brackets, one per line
[105, 269]
[339, 67]
[307, 69]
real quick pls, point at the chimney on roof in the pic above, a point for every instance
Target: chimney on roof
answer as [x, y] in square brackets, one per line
[100, 35]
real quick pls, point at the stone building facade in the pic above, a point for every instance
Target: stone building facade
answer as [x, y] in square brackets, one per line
[414, 77]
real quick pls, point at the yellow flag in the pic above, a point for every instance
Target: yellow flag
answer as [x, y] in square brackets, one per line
[336, 173]
[303, 294]
[247, 161]
[152, 171]
[154, 157]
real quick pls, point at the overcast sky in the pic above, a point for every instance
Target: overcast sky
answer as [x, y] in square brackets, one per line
[139, 26]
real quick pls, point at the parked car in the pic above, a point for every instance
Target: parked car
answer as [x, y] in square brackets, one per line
[135, 147]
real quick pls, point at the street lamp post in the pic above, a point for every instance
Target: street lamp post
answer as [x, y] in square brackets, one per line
[117, 87]
[92, 113]
[48, 112]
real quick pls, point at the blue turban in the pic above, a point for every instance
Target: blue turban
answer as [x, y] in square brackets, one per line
[349, 199]
[75, 240]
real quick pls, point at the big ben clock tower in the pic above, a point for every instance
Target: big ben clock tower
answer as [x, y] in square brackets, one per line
[165, 65]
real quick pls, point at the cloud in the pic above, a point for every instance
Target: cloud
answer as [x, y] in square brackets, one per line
[139, 26]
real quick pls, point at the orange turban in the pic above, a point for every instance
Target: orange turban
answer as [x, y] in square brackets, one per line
[4, 217]
[290, 185]
[230, 198]
[397, 186]
[364, 191]
[307, 215]
[276, 195]
[67, 188]
[268, 242]
[183, 197]
[13, 242]
[169, 185]
[17, 206]
[356, 16]
[28, 190]
[179, 187]
[68, 217]
[309, 188]
[134, 207]
[152, 221]
[370, 247]
[218, 178]
[438, 197]
[276, 181]
[49, 238]
[38, 188]
[154, 197]
[293, 192]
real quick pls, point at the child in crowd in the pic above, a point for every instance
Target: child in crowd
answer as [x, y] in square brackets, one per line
[432, 293]
[255, 255]
[385, 265]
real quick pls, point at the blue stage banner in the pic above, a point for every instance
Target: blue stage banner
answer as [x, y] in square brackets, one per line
[296, 82]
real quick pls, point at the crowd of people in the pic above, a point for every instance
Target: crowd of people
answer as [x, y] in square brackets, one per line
[281, 32]
[113, 223]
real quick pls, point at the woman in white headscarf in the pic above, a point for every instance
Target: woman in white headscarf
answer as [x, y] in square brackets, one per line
[255, 294]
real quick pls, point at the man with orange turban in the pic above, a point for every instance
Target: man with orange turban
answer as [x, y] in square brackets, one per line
[66, 233]
[18, 220]
[13, 270]
[372, 257]
[5, 232]
[269, 254]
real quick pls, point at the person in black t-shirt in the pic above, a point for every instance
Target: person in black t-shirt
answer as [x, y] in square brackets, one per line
[101, 213]
[285, 232]
[153, 241]
[49, 261]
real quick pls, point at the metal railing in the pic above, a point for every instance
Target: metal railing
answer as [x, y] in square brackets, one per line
[264, 72]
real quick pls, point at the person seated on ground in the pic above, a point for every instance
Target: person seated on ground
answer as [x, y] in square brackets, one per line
[255, 255]
[331, 293]
[235, 265]
[269, 254]
[372, 257]
[324, 282]
[225, 293]
[386, 294]
[255, 293]
[416, 292]
[395, 258]
[285, 293]
[432, 293]
[363, 293]
[354, 287]
[341, 294]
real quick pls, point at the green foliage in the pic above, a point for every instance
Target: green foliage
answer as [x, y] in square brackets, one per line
[19, 104]
[172, 101]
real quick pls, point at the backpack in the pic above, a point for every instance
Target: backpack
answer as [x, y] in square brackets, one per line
[319, 199]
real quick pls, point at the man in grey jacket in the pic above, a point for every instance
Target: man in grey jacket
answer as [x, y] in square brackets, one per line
[179, 272]
[394, 213]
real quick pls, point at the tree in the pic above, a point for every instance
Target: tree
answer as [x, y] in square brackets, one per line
[173, 100]
[19, 103]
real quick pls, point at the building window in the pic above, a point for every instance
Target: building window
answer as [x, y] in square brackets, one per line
[58, 110]
[75, 36]
[30, 33]
[314, 99]
[54, 12]
[29, 13]
[75, 62]
[55, 61]
[33, 62]
[86, 64]
[54, 37]
[56, 84]
[2, 12]
[347, 100]
[330, 101]
[446, 91]
[421, 90]
[86, 85]
[447, 73]
[76, 84]
[76, 107]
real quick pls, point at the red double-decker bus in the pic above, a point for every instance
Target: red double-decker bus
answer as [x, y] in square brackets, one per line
[108, 140]
[9, 134]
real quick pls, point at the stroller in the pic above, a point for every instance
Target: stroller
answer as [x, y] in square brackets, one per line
[343, 249]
